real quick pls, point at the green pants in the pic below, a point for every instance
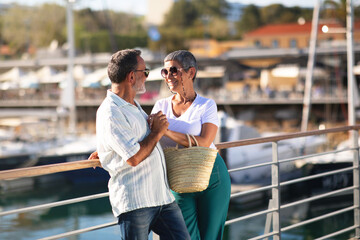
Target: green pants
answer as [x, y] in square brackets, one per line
[205, 212]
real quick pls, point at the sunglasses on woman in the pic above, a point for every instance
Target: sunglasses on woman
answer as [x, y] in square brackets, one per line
[146, 72]
[173, 71]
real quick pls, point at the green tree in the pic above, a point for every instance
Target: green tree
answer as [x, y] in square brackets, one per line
[214, 8]
[336, 9]
[94, 30]
[178, 22]
[48, 23]
[250, 20]
[182, 14]
[24, 26]
[277, 13]
[254, 17]
[192, 19]
[116, 24]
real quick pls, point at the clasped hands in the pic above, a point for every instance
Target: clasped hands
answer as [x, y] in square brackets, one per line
[158, 122]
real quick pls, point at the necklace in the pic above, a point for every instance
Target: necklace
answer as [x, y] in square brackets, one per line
[190, 100]
[186, 99]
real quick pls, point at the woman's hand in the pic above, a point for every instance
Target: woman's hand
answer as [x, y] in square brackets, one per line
[150, 120]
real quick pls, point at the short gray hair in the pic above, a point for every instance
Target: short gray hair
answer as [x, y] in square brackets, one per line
[185, 58]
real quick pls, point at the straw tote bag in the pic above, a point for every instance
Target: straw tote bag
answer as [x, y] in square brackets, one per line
[189, 169]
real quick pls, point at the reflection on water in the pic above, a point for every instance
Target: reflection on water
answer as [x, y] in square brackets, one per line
[57, 220]
[292, 215]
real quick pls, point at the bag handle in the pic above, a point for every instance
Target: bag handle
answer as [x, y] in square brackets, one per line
[189, 140]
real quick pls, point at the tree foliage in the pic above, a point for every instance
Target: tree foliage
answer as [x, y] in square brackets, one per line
[335, 10]
[94, 30]
[251, 19]
[254, 17]
[33, 26]
[192, 19]
[97, 31]
[214, 8]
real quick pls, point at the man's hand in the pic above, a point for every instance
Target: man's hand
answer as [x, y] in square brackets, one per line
[158, 123]
[150, 120]
[94, 155]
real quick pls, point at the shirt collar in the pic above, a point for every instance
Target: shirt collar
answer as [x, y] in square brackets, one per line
[118, 100]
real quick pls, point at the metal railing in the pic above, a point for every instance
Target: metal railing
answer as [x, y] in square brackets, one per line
[273, 216]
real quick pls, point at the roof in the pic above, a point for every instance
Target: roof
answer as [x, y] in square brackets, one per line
[289, 28]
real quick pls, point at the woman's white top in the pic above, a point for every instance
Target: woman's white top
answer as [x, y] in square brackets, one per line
[202, 110]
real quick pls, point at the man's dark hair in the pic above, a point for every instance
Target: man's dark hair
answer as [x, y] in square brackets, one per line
[122, 63]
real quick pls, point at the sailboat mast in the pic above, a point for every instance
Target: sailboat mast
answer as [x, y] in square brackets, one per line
[350, 63]
[70, 88]
[352, 92]
[310, 67]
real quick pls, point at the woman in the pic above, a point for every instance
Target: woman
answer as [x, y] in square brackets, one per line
[187, 112]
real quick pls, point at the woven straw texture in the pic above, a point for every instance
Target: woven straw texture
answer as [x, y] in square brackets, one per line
[189, 169]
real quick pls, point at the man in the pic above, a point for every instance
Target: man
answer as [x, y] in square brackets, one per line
[129, 150]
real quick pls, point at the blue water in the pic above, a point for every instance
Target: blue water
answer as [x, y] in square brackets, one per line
[44, 223]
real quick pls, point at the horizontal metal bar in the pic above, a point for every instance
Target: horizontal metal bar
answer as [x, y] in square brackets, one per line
[76, 232]
[309, 199]
[315, 155]
[264, 236]
[316, 176]
[228, 222]
[55, 204]
[317, 218]
[285, 136]
[249, 167]
[291, 159]
[337, 233]
[252, 191]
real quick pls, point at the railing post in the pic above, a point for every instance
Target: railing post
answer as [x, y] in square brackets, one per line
[275, 181]
[356, 176]
[268, 219]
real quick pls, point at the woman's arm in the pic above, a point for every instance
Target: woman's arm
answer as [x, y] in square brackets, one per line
[207, 136]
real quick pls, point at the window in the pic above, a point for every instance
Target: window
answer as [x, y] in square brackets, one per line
[293, 43]
[275, 43]
[257, 43]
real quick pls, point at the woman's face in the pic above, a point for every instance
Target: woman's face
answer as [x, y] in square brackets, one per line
[175, 76]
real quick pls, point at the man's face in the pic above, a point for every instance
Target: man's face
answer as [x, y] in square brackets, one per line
[139, 86]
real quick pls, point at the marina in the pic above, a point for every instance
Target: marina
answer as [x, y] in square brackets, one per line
[288, 134]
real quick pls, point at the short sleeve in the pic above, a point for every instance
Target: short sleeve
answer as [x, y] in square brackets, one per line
[156, 107]
[210, 114]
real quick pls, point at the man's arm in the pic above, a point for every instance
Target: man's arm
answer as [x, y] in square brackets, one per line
[158, 128]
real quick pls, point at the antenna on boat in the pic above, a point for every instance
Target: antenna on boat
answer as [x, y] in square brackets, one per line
[68, 95]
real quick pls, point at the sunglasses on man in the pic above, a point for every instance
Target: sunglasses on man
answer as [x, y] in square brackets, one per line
[146, 72]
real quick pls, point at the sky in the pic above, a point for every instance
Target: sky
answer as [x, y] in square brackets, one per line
[139, 6]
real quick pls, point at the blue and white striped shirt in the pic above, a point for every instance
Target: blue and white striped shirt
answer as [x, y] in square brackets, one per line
[120, 126]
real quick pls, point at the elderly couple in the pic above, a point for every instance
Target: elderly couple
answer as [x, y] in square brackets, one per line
[130, 147]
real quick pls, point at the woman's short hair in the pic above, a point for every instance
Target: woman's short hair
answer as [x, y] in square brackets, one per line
[122, 63]
[185, 58]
